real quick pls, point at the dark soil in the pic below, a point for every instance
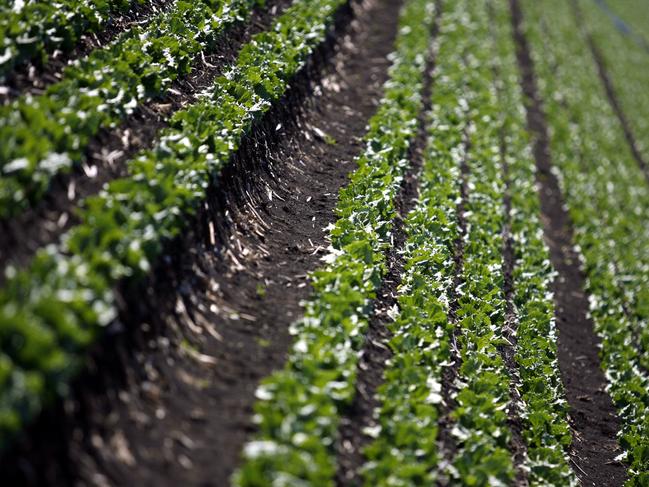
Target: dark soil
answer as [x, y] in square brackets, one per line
[167, 398]
[34, 77]
[107, 153]
[593, 418]
[376, 352]
[613, 100]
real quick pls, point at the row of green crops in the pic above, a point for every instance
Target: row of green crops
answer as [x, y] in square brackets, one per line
[631, 17]
[299, 406]
[52, 310]
[608, 202]
[464, 127]
[405, 451]
[31, 30]
[47, 134]
[545, 410]
[628, 66]
[481, 429]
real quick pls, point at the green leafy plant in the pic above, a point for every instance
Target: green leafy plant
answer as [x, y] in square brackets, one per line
[51, 311]
[625, 60]
[32, 30]
[463, 126]
[608, 202]
[299, 407]
[47, 134]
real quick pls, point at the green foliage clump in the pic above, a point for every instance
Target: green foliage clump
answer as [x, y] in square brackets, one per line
[299, 407]
[52, 311]
[45, 135]
[608, 202]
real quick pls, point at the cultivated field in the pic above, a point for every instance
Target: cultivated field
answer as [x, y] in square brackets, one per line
[324, 242]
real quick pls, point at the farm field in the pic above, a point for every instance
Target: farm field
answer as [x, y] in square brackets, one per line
[324, 242]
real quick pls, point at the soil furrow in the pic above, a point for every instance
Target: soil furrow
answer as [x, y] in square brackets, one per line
[167, 398]
[108, 152]
[34, 77]
[447, 444]
[376, 352]
[593, 418]
[613, 100]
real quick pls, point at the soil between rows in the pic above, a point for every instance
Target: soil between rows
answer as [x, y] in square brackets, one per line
[107, 153]
[167, 397]
[593, 418]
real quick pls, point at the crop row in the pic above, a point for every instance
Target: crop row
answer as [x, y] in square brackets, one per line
[51, 311]
[299, 406]
[31, 30]
[465, 133]
[608, 203]
[631, 18]
[481, 428]
[544, 409]
[627, 64]
[47, 134]
[404, 450]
